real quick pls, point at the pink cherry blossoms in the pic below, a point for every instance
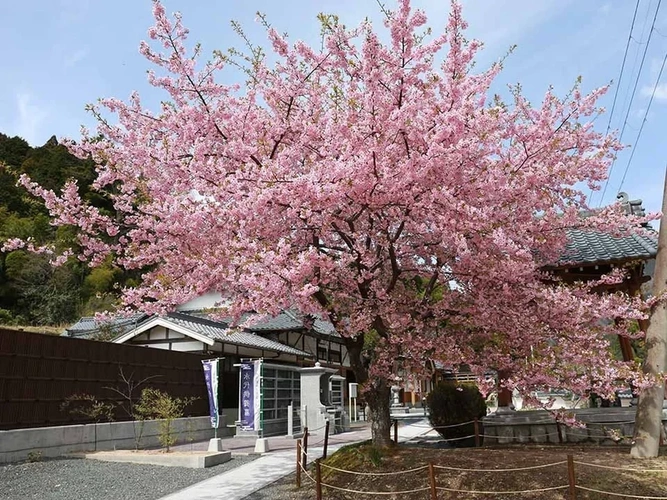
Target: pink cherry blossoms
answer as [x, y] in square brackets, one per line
[377, 184]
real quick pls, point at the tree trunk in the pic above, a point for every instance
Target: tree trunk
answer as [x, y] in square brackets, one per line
[504, 394]
[648, 421]
[376, 392]
[377, 397]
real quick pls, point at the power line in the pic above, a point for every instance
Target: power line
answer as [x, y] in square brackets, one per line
[632, 97]
[620, 76]
[634, 148]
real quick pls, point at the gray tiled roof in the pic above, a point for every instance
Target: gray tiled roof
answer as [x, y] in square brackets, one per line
[88, 326]
[594, 247]
[587, 247]
[283, 321]
[287, 320]
[218, 331]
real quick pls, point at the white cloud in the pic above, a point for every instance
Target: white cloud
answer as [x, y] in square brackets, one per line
[76, 56]
[660, 92]
[29, 119]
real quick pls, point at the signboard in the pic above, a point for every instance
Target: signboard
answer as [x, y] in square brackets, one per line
[250, 395]
[211, 375]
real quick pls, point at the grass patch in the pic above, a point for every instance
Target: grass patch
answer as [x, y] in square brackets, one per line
[395, 460]
[357, 457]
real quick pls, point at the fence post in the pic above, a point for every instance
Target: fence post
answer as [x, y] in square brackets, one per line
[570, 477]
[298, 463]
[326, 439]
[476, 433]
[396, 431]
[318, 479]
[304, 448]
[431, 476]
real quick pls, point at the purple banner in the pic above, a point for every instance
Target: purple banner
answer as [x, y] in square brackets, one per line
[247, 390]
[211, 376]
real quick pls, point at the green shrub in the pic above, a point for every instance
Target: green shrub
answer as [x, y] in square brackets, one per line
[5, 317]
[451, 404]
[156, 404]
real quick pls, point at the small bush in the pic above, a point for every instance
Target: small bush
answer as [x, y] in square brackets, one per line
[156, 404]
[5, 317]
[451, 404]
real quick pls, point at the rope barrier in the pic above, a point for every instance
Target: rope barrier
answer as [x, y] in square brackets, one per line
[565, 434]
[625, 469]
[374, 473]
[458, 438]
[445, 467]
[404, 492]
[513, 492]
[316, 429]
[308, 475]
[626, 495]
[443, 426]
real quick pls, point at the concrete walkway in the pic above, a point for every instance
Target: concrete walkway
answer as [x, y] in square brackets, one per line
[238, 483]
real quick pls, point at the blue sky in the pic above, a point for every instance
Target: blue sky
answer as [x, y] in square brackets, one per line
[62, 54]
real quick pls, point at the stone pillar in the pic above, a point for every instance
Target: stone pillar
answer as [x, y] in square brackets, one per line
[312, 398]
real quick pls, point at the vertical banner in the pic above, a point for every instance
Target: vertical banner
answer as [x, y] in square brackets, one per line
[259, 410]
[211, 376]
[247, 390]
[250, 390]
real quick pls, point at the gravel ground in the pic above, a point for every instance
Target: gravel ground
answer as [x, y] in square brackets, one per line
[71, 478]
[285, 489]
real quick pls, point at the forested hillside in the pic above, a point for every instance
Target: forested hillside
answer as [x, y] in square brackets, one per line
[32, 292]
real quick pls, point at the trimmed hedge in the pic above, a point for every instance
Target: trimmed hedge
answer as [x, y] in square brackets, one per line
[451, 403]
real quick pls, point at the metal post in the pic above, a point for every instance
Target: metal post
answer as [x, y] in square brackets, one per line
[326, 439]
[298, 463]
[290, 420]
[571, 478]
[318, 479]
[396, 431]
[431, 476]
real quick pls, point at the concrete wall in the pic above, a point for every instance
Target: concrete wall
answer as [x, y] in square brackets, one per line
[15, 445]
[602, 426]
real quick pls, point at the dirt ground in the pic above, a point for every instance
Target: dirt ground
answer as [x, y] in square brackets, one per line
[616, 479]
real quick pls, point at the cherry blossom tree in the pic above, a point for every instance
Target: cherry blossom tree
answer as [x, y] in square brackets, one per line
[373, 181]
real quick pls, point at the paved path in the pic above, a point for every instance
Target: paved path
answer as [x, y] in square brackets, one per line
[238, 483]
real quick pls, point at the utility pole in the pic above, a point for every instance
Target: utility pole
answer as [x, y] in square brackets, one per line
[648, 422]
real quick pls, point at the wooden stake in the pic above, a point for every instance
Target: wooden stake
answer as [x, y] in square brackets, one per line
[318, 479]
[477, 433]
[431, 476]
[304, 448]
[326, 440]
[571, 478]
[298, 463]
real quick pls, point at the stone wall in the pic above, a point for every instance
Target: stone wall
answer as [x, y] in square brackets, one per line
[17, 444]
[602, 426]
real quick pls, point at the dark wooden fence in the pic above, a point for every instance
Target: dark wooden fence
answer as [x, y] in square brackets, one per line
[38, 372]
